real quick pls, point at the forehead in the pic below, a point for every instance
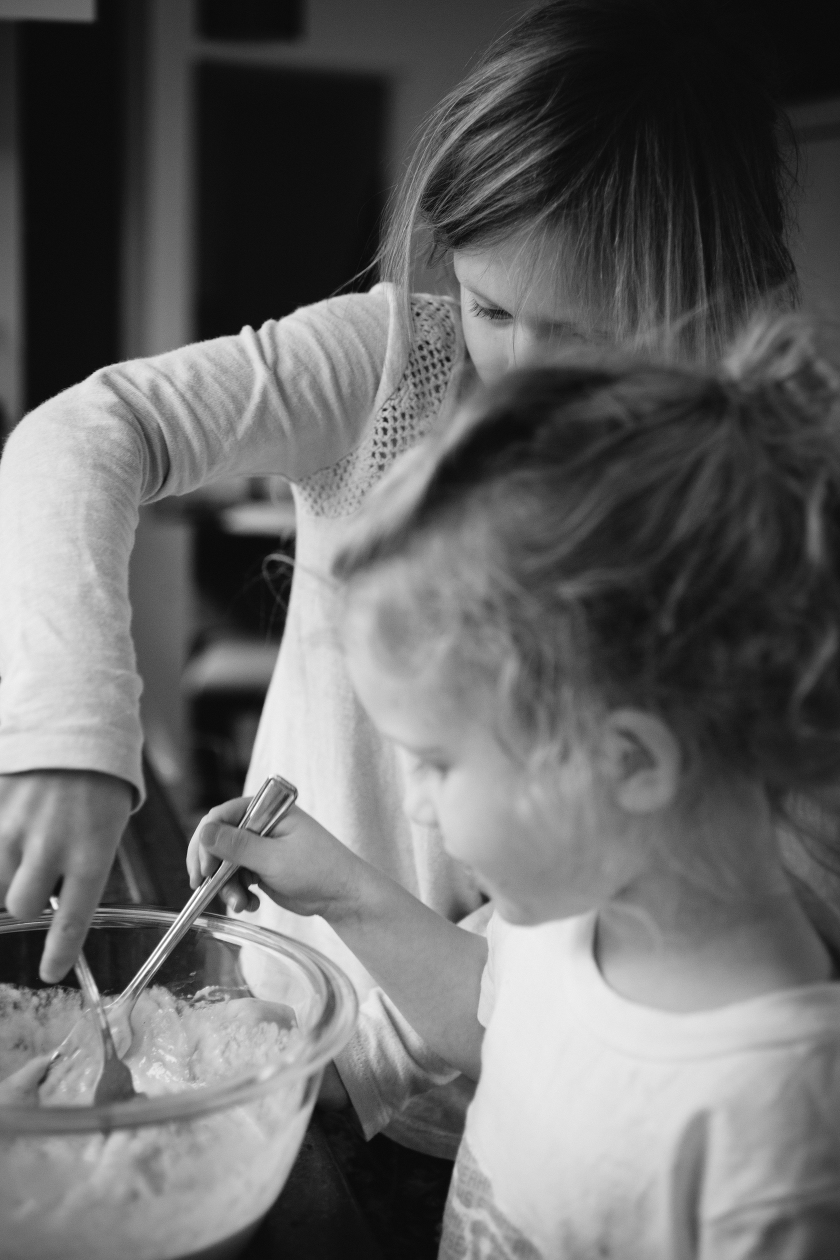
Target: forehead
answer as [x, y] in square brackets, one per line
[527, 276]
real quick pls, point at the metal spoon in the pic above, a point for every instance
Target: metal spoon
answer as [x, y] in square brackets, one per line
[274, 799]
[115, 1082]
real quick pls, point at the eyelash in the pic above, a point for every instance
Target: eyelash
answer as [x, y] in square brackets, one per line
[494, 314]
[431, 767]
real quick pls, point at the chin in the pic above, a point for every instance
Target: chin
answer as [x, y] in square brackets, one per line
[516, 912]
[525, 913]
[517, 909]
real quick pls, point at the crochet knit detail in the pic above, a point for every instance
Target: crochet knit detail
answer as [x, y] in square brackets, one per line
[402, 420]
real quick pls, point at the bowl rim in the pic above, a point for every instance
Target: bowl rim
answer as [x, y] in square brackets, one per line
[330, 1032]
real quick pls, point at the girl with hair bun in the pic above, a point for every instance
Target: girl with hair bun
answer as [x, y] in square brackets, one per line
[600, 613]
[611, 170]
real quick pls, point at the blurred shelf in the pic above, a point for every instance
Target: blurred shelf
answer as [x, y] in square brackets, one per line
[259, 519]
[230, 665]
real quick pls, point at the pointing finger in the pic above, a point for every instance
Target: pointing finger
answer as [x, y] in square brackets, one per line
[78, 899]
[233, 844]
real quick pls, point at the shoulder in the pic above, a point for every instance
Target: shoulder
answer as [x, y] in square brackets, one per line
[522, 961]
[515, 947]
[422, 360]
[435, 344]
[427, 327]
[356, 328]
[773, 1139]
[411, 348]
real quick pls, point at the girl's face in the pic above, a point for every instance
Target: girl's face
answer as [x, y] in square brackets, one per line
[540, 857]
[515, 312]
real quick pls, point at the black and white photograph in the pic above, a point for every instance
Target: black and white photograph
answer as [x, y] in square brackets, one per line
[419, 630]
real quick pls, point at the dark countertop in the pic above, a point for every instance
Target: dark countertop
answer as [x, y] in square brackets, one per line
[315, 1217]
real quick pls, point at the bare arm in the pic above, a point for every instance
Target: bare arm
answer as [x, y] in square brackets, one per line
[430, 968]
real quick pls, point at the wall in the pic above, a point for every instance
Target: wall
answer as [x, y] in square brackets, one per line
[422, 46]
[817, 241]
[10, 254]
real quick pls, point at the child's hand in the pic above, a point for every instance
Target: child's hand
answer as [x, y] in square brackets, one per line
[21, 1088]
[301, 866]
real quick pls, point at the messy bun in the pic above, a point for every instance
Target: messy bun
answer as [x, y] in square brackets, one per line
[639, 533]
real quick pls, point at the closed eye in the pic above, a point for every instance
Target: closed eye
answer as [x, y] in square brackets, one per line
[434, 767]
[494, 313]
[430, 764]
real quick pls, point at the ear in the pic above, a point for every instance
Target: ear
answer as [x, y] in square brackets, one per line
[641, 759]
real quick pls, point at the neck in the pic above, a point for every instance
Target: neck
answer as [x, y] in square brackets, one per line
[716, 920]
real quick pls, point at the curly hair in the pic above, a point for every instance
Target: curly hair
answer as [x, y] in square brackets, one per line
[647, 133]
[637, 533]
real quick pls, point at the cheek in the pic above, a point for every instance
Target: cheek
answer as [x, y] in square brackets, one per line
[488, 348]
[460, 823]
[419, 799]
[487, 840]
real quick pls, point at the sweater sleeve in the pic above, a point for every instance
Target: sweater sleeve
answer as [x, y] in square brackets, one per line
[385, 1064]
[291, 398]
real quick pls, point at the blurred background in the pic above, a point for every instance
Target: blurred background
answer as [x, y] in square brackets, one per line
[174, 169]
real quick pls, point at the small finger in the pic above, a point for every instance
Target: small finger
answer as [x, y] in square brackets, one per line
[200, 864]
[77, 902]
[237, 894]
[9, 862]
[235, 897]
[249, 880]
[222, 841]
[225, 841]
[22, 1086]
[231, 811]
[31, 886]
[194, 862]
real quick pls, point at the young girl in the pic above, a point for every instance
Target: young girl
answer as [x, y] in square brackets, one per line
[600, 614]
[611, 169]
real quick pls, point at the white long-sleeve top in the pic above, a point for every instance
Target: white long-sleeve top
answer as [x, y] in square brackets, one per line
[327, 398]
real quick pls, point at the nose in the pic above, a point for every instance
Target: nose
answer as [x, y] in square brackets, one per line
[528, 348]
[417, 800]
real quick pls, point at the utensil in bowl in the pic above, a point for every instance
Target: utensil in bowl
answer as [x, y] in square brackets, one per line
[274, 799]
[186, 1174]
[115, 1082]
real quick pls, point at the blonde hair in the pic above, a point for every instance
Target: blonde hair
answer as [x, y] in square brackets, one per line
[633, 532]
[644, 131]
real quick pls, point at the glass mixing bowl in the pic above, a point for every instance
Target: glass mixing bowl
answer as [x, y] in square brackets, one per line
[185, 1176]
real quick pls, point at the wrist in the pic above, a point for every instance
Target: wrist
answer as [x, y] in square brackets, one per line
[355, 898]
